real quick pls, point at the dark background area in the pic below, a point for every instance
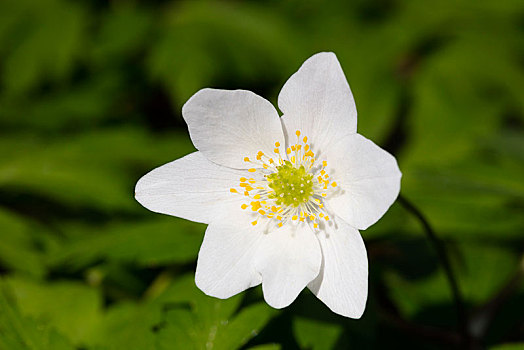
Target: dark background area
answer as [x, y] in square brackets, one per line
[90, 100]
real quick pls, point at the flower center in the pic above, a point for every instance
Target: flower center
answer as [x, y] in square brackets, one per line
[292, 186]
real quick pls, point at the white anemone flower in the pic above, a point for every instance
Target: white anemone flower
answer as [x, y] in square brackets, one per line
[285, 196]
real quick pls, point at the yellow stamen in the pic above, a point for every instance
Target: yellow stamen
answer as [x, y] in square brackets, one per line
[287, 183]
[255, 206]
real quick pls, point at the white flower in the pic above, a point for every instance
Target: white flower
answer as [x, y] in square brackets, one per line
[284, 197]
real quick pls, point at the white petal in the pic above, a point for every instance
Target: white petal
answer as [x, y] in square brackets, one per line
[225, 262]
[191, 187]
[228, 125]
[368, 178]
[289, 258]
[342, 283]
[236, 255]
[317, 101]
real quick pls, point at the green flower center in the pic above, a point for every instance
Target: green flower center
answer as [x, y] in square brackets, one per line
[291, 185]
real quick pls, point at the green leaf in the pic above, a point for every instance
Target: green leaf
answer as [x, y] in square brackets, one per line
[205, 40]
[18, 251]
[127, 325]
[412, 297]
[48, 37]
[509, 346]
[149, 243]
[23, 333]
[83, 104]
[79, 170]
[208, 322]
[125, 29]
[481, 196]
[484, 269]
[307, 333]
[72, 308]
[480, 269]
[266, 347]
[248, 322]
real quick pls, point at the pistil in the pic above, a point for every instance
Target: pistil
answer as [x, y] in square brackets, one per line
[291, 187]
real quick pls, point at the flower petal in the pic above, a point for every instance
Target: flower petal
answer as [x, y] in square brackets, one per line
[191, 187]
[225, 261]
[368, 178]
[236, 255]
[288, 259]
[228, 125]
[342, 283]
[317, 101]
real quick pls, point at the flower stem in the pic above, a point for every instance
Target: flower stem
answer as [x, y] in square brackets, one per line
[443, 257]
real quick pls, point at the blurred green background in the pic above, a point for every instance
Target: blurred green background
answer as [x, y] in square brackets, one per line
[90, 100]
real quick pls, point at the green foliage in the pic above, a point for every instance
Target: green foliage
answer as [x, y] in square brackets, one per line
[158, 242]
[59, 304]
[198, 322]
[18, 250]
[90, 97]
[49, 36]
[19, 332]
[514, 346]
[307, 331]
